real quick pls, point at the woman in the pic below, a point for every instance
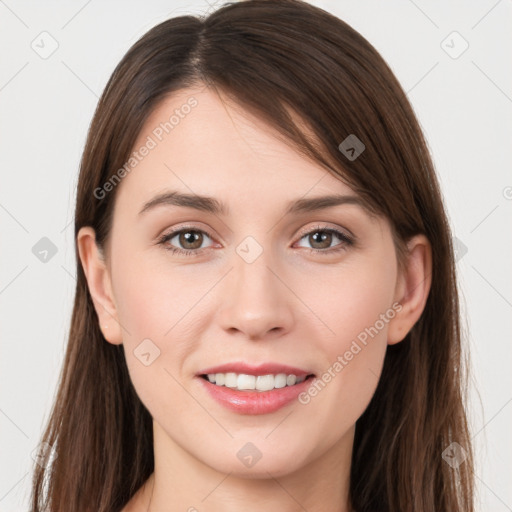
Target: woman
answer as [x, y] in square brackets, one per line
[266, 313]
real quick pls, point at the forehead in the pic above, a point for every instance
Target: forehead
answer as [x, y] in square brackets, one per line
[199, 142]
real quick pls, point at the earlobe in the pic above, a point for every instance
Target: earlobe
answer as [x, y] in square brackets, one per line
[98, 281]
[413, 287]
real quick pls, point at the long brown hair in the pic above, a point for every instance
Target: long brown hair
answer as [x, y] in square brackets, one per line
[276, 58]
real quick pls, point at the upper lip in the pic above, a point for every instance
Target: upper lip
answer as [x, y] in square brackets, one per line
[258, 369]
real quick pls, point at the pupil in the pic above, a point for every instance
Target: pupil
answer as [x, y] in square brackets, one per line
[322, 236]
[189, 237]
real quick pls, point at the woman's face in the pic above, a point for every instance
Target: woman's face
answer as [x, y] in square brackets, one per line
[264, 281]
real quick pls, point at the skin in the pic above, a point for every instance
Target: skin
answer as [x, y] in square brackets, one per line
[291, 305]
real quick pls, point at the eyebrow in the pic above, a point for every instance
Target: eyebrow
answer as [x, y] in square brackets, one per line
[211, 205]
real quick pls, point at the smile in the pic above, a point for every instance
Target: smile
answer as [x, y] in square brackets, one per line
[254, 389]
[245, 382]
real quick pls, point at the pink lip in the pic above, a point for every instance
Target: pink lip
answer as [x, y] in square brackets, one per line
[260, 369]
[254, 402]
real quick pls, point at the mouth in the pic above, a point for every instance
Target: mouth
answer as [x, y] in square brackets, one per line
[247, 389]
[259, 383]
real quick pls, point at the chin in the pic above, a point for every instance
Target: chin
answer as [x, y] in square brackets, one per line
[253, 463]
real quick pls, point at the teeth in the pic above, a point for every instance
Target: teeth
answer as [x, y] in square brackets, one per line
[265, 382]
[280, 380]
[231, 380]
[246, 381]
[242, 381]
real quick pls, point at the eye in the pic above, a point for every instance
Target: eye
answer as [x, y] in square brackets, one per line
[321, 238]
[190, 239]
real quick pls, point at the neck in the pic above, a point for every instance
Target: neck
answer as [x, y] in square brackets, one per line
[183, 482]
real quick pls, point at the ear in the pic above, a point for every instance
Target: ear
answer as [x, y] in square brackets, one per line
[413, 287]
[99, 283]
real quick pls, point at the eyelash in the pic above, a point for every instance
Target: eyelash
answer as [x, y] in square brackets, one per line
[346, 240]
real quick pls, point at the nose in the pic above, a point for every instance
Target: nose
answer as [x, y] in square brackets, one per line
[257, 302]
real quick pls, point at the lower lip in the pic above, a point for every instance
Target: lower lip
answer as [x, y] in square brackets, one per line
[254, 402]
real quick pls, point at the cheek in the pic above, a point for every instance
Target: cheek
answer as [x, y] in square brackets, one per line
[351, 300]
[145, 304]
[152, 301]
[163, 312]
[357, 307]
[154, 310]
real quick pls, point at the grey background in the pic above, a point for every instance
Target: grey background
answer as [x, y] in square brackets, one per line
[464, 105]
